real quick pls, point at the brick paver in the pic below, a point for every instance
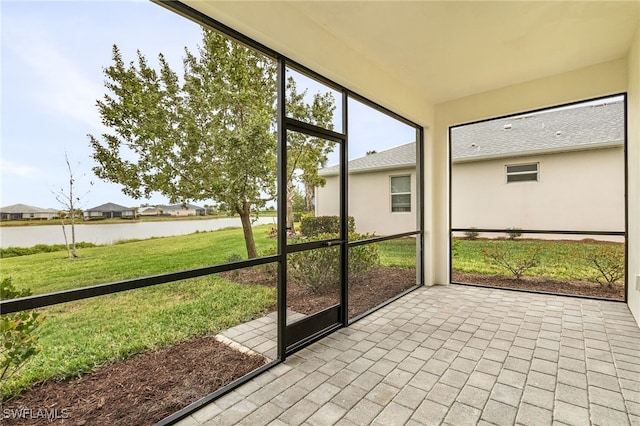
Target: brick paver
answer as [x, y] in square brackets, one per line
[451, 355]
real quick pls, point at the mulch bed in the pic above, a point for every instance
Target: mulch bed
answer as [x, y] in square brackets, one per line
[151, 386]
[542, 284]
[367, 291]
[138, 391]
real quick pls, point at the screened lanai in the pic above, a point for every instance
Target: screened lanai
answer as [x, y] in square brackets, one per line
[424, 350]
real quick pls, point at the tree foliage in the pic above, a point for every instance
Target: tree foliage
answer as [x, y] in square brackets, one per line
[306, 155]
[208, 135]
[18, 341]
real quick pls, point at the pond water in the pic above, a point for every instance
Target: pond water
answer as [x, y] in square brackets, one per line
[28, 236]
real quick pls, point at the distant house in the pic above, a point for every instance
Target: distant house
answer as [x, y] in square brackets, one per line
[25, 212]
[183, 210]
[149, 211]
[109, 211]
[382, 191]
[554, 170]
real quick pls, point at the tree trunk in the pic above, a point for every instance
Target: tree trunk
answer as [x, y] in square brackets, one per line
[290, 224]
[73, 234]
[309, 197]
[245, 218]
[66, 242]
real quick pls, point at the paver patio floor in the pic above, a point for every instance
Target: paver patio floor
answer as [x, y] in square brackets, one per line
[455, 355]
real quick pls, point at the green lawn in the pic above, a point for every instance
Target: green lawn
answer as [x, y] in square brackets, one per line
[400, 252]
[80, 336]
[47, 272]
[557, 259]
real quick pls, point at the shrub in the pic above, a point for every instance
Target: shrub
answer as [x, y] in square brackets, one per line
[364, 257]
[18, 342]
[472, 234]
[38, 248]
[514, 233]
[311, 226]
[608, 262]
[515, 258]
[318, 270]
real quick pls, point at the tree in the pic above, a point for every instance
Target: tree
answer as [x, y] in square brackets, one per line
[306, 155]
[70, 202]
[206, 136]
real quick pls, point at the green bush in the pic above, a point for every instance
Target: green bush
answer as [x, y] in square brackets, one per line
[318, 270]
[472, 234]
[515, 258]
[311, 226]
[514, 233]
[608, 263]
[38, 248]
[17, 342]
[362, 258]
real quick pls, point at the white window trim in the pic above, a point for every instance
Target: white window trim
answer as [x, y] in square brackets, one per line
[391, 194]
[507, 173]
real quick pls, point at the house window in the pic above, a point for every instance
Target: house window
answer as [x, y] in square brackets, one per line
[522, 173]
[400, 193]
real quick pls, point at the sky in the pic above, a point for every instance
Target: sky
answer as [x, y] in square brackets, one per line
[53, 54]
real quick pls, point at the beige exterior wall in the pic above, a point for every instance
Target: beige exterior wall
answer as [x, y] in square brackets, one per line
[576, 191]
[41, 215]
[633, 155]
[599, 80]
[181, 212]
[370, 202]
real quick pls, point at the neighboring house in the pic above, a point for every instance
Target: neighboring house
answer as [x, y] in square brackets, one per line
[25, 212]
[382, 191]
[149, 211]
[110, 211]
[183, 210]
[555, 170]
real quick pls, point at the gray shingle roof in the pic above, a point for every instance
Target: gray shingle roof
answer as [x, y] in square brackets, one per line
[23, 208]
[569, 129]
[579, 128]
[181, 207]
[393, 158]
[109, 207]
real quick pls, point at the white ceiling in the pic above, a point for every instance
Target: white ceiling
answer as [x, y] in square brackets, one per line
[442, 49]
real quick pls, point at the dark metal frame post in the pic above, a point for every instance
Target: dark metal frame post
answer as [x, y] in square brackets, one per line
[420, 203]
[344, 215]
[282, 210]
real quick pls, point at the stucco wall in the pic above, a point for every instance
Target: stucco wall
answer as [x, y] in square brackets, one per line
[370, 202]
[576, 191]
[633, 153]
[595, 81]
